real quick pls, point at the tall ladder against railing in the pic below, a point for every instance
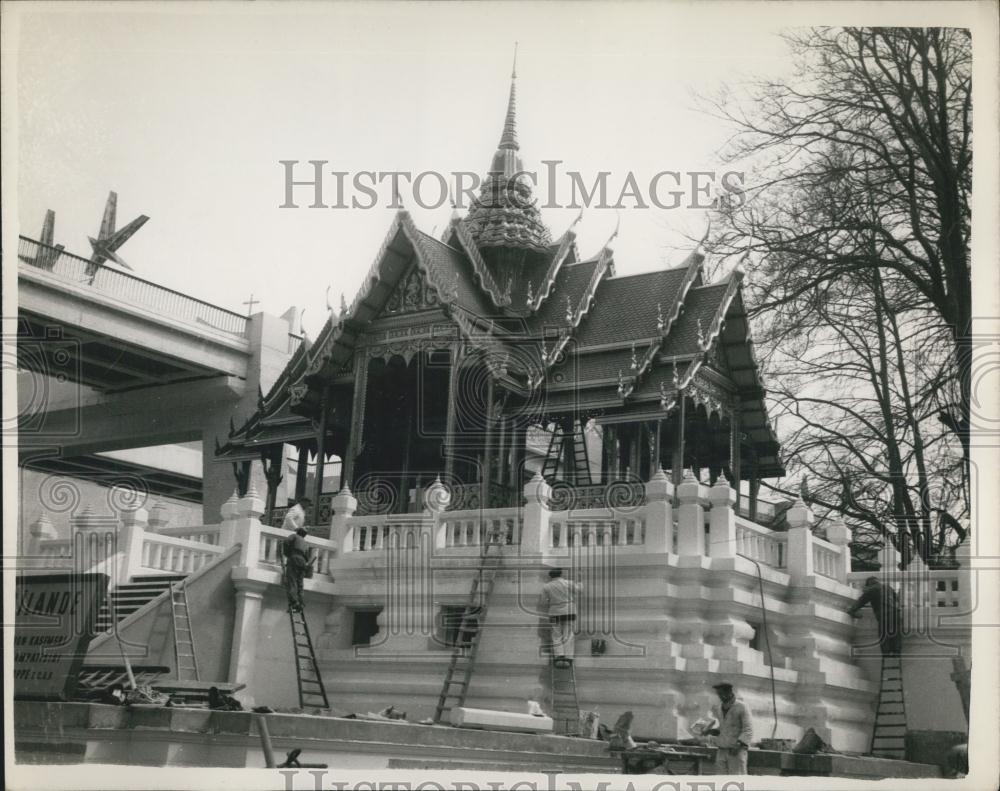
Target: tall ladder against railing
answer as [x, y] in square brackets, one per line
[312, 693]
[556, 457]
[463, 655]
[187, 661]
[564, 706]
[889, 733]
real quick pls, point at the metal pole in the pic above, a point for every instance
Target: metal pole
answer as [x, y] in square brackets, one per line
[265, 741]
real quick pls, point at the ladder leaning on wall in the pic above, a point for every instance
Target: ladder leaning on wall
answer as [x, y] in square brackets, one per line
[464, 653]
[184, 651]
[312, 692]
[889, 733]
[565, 707]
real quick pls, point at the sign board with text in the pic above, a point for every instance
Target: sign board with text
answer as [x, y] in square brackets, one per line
[55, 616]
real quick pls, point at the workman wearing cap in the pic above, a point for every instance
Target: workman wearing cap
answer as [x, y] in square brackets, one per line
[734, 731]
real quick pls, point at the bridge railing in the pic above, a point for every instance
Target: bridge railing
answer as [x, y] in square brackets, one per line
[129, 288]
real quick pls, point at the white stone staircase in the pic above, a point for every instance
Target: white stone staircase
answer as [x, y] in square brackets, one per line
[129, 597]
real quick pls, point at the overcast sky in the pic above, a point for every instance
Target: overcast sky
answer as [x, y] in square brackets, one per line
[185, 112]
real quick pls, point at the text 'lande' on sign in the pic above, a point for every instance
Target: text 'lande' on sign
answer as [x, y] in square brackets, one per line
[55, 619]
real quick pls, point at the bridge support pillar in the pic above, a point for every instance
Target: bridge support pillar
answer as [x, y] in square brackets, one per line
[269, 343]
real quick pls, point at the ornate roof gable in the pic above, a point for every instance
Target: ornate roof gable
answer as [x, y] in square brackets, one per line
[664, 325]
[482, 272]
[380, 284]
[566, 250]
[705, 340]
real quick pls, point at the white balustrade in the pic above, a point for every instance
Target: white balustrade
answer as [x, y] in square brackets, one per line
[473, 528]
[396, 531]
[205, 534]
[826, 558]
[55, 552]
[167, 553]
[759, 543]
[945, 587]
[594, 528]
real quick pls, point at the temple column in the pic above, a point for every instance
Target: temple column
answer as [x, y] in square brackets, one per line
[357, 418]
[272, 461]
[502, 451]
[487, 468]
[734, 453]
[449, 431]
[404, 478]
[302, 472]
[654, 461]
[754, 490]
[320, 452]
[677, 461]
[519, 436]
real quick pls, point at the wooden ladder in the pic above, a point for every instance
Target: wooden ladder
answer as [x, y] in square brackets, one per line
[187, 661]
[554, 455]
[463, 655]
[889, 733]
[312, 693]
[565, 707]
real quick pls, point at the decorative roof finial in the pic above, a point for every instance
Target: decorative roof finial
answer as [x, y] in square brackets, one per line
[530, 295]
[676, 378]
[614, 235]
[343, 304]
[569, 310]
[660, 323]
[621, 384]
[635, 362]
[509, 137]
[664, 398]
[505, 297]
[701, 334]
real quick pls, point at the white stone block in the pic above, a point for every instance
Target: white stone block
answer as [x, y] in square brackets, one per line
[500, 721]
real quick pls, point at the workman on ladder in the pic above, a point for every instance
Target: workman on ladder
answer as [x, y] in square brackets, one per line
[885, 605]
[298, 566]
[296, 515]
[558, 601]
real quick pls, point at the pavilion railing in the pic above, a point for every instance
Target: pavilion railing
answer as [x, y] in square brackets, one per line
[474, 528]
[759, 543]
[130, 288]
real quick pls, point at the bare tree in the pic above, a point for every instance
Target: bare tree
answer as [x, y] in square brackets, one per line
[858, 212]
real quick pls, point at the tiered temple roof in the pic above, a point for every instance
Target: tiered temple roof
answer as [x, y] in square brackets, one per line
[549, 325]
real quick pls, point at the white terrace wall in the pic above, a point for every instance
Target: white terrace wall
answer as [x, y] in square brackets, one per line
[676, 605]
[678, 590]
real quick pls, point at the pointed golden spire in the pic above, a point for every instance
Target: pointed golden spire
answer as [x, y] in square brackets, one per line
[509, 137]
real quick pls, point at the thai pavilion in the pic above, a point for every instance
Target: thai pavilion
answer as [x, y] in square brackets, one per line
[454, 349]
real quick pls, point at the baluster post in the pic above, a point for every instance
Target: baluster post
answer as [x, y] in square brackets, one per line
[659, 514]
[437, 498]
[722, 520]
[343, 506]
[41, 530]
[690, 517]
[535, 536]
[800, 542]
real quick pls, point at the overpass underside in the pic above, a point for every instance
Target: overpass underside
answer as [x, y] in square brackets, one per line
[110, 362]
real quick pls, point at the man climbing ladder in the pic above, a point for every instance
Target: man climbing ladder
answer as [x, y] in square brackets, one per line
[558, 601]
[298, 566]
